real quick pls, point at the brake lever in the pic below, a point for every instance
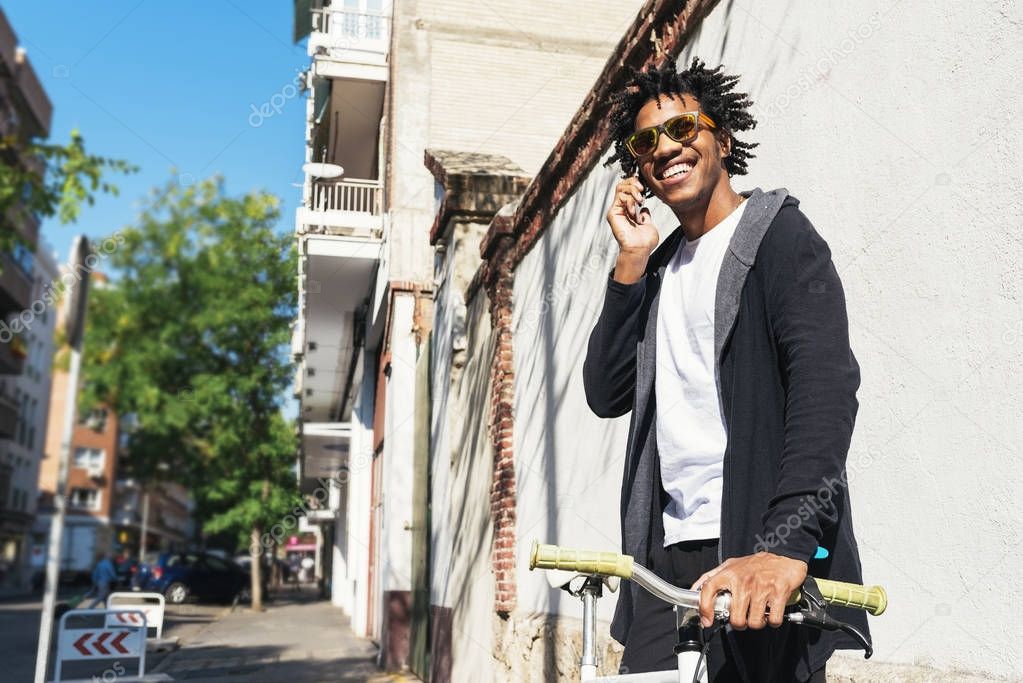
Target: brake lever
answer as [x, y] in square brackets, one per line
[812, 611]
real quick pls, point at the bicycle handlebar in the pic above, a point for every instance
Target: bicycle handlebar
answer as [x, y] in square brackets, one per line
[873, 599]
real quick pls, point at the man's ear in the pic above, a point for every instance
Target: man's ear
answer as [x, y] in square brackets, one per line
[724, 139]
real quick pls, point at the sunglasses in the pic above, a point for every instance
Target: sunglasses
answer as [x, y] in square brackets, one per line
[682, 128]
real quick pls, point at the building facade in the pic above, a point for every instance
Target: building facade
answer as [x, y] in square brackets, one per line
[929, 259]
[151, 518]
[92, 472]
[441, 348]
[25, 330]
[386, 83]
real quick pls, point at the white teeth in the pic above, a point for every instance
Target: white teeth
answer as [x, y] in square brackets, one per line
[677, 169]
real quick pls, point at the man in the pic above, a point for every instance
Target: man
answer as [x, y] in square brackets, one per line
[104, 575]
[729, 345]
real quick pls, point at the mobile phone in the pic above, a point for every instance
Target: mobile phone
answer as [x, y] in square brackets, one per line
[639, 206]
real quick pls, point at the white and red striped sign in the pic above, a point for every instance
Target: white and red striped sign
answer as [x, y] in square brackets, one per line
[102, 643]
[119, 605]
[83, 636]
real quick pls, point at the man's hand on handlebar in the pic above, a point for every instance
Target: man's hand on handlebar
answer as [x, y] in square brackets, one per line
[760, 586]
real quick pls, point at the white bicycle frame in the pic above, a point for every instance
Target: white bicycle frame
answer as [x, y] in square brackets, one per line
[688, 659]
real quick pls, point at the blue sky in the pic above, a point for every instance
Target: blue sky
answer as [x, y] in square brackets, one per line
[169, 86]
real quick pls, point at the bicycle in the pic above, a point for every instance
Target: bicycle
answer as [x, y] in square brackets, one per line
[585, 573]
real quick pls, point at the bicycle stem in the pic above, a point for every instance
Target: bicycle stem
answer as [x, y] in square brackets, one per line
[682, 597]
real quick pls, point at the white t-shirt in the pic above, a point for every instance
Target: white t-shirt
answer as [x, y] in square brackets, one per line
[691, 435]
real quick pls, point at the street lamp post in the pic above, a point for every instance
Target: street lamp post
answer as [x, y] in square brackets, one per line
[74, 323]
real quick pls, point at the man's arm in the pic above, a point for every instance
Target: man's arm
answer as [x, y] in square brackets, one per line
[806, 306]
[609, 370]
[808, 315]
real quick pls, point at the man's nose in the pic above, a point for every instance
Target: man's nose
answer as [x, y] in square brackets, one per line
[666, 147]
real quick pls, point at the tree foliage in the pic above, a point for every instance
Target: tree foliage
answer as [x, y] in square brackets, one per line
[46, 179]
[191, 340]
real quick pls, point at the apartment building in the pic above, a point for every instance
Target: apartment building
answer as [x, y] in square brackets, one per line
[25, 346]
[32, 392]
[154, 517]
[492, 83]
[88, 528]
[92, 473]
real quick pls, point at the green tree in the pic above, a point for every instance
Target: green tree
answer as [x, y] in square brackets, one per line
[191, 339]
[45, 180]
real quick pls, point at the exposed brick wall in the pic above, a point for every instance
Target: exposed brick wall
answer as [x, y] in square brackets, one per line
[657, 36]
[502, 492]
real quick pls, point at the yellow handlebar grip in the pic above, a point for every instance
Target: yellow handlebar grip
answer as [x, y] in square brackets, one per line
[581, 561]
[871, 598]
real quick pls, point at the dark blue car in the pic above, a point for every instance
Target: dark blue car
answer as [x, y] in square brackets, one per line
[180, 576]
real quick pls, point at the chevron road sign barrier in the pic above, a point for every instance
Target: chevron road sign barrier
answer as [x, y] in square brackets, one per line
[88, 646]
[150, 604]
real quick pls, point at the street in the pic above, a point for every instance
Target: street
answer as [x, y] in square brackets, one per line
[299, 638]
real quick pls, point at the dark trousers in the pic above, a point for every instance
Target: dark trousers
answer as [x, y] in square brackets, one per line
[653, 635]
[99, 592]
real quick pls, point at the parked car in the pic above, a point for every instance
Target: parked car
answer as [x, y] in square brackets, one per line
[180, 576]
[126, 570]
[245, 562]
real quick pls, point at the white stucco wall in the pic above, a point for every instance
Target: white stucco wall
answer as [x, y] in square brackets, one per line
[445, 303]
[894, 124]
[470, 586]
[396, 486]
[568, 461]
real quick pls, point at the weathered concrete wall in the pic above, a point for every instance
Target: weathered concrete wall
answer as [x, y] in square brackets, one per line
[470, 586]
[568, 461]
[894, 124]
[518, 69]
[457, 262]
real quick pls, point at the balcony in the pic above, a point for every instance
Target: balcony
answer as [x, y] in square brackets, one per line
[348, 208]
[12, 355]
[350, 34]
[15, 283]
[28, 94]
[8, 417]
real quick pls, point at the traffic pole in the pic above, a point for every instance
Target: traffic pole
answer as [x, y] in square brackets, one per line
[145, 524]
[74, 322]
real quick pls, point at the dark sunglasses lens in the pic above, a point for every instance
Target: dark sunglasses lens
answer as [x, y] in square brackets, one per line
[643, 142]
[681, 128]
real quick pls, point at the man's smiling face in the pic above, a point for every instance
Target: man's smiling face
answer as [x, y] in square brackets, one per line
[682, 175]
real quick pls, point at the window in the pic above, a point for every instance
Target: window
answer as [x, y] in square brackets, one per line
[95, 420]
[216, 564]
[85, 499]
[89, 458]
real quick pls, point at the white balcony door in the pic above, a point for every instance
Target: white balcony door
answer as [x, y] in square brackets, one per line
[361, 24]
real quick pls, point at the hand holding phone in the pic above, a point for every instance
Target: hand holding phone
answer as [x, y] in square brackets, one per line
[632, 227]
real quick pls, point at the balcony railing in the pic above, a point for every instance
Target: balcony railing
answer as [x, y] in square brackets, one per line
[350, 208]
[359, 196]
[347, 29]
[8, 417]
[12, 354]
[15, 284]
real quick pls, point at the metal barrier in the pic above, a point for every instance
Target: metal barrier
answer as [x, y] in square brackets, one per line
[152, 605]
[87, 647]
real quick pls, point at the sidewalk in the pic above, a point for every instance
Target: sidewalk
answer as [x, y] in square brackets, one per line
[298, 639]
